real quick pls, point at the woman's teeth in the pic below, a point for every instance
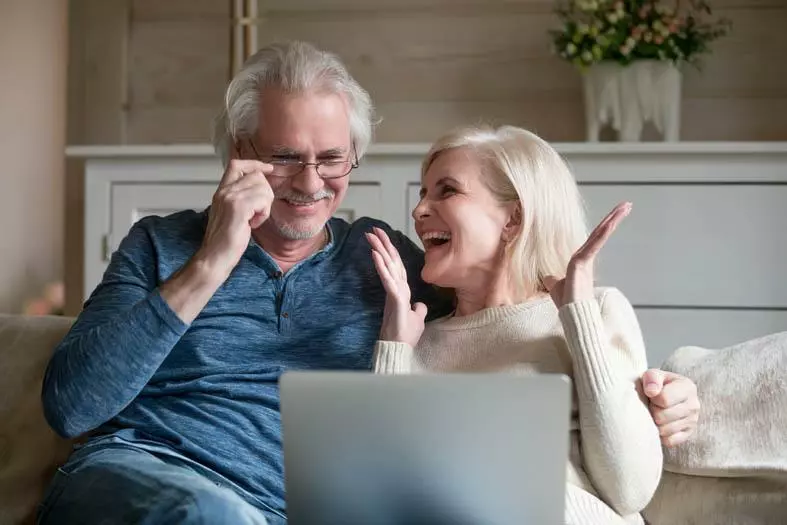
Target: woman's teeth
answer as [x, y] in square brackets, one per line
[436, 238]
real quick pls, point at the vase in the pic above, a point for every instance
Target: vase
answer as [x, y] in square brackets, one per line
[627, 97]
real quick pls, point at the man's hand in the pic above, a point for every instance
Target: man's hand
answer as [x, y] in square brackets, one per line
[674, 405]
[241, 203]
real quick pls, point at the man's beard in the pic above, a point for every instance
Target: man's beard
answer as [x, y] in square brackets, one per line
[300, 230]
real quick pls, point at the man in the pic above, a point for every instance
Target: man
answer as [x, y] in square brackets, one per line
[172, 367]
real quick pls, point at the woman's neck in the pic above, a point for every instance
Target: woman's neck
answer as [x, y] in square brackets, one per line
[496, 291]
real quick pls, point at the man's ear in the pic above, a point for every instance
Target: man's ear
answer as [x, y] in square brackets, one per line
[514, 224]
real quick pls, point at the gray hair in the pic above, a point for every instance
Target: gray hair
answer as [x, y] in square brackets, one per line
[295, 67]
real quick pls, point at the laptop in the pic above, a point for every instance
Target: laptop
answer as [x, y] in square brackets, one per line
[455, 449]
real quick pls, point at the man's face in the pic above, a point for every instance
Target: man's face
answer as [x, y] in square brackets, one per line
[310, 127]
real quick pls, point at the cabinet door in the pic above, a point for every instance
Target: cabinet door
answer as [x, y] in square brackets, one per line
[131, 202]
[362, 200]
[703, 264]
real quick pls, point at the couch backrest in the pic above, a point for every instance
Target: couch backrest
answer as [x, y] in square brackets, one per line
[29, 449]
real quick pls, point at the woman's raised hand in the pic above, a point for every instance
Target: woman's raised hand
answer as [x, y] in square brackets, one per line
[402, 322]
[578, 284]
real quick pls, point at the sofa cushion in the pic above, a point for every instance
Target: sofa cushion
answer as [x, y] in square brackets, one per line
[29, 449]
[734, 469]
[743, 422]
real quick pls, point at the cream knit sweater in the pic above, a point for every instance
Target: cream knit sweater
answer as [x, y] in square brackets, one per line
[615, 459]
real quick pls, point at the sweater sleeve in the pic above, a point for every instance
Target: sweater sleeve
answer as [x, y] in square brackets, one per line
[394, 358]
[117, 343]
[620, 441]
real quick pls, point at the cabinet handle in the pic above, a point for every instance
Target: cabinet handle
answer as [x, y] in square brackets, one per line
[106, 249]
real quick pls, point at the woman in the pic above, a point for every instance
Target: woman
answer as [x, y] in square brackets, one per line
[502, 225]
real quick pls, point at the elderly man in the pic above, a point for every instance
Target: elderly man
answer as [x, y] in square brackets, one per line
[171, 369]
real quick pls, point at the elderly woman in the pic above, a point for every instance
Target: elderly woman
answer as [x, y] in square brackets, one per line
[502, 224]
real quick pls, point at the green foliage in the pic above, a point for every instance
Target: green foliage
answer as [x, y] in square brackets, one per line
[623, 31]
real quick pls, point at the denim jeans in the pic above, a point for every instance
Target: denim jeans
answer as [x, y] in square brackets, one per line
[121, 485]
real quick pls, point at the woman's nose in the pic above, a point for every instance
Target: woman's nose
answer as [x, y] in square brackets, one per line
[421, 211]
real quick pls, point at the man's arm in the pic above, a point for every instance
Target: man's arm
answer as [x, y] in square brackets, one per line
[130, 324]
[122, 336]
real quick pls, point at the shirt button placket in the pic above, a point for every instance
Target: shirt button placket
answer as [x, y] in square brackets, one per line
[284, 315]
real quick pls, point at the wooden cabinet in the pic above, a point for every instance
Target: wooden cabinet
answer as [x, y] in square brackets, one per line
[701, 257]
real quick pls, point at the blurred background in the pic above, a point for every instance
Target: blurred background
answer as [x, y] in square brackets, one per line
[146, 72]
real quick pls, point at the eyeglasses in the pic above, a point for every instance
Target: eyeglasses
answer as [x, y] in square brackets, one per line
[326, 169]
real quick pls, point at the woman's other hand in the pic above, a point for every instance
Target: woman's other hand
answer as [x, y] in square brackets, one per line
[402, 322]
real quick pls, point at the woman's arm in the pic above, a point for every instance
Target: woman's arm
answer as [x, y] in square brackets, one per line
[403, 322]
[393, 358]
[620, 441]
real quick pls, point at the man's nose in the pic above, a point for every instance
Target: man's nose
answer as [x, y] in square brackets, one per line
[307, 181]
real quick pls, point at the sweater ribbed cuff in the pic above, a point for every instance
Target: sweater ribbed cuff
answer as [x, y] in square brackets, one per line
[391, 357]
[587, 341]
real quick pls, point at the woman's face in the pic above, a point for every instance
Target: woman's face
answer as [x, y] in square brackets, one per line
[460, 223]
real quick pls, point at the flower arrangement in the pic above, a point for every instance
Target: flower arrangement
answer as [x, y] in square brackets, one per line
[624, 31]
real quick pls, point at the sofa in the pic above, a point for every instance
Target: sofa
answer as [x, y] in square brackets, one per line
[726, 475]
[29, 449]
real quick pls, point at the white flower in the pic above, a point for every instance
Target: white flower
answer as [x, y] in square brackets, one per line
[571, 48]
[613, 18]
[583, 29]
[587, 56]
[630, 42]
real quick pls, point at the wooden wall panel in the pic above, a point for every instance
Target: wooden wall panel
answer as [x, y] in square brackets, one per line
[433, 64]
[158, 74]
[178, 55]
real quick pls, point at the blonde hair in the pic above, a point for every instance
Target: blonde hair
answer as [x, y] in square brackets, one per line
[521, 167]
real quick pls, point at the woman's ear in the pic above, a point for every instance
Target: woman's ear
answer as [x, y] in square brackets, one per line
[514, 224]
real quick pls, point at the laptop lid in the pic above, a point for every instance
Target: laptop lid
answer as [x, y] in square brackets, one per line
[480, 449]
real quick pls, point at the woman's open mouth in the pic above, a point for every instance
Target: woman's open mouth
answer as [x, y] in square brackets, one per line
[435, 239]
